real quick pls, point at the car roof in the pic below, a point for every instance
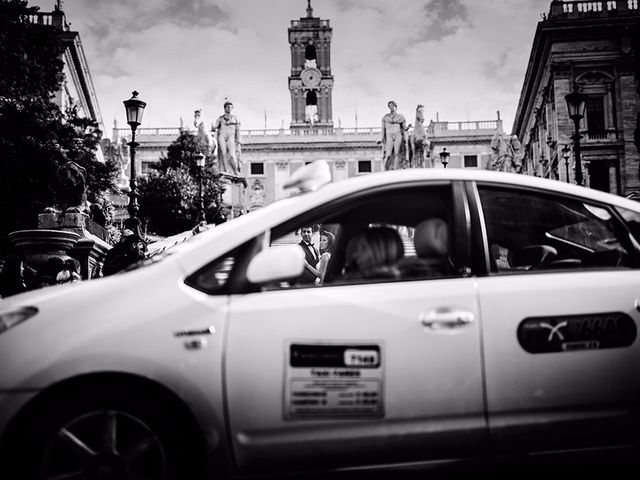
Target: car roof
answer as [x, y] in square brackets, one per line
[226, 236]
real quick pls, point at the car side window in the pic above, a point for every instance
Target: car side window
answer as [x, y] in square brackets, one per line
[389, 236]
[226, 274]
[632, 218]
[530, 231]
[214, 277]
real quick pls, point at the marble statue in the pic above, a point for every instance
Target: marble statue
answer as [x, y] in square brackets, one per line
[419, 141]
[394, 128]
[227, 128]
[203, 137]
[506, 155]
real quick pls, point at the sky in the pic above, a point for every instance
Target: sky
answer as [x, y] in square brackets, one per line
[462, 59]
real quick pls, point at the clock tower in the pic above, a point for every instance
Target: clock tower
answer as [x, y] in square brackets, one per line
[310, 81]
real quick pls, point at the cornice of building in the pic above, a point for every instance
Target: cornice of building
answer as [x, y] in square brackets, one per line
[78, 65]
[576, 21]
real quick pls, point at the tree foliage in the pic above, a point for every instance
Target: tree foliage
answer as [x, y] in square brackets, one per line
[181, 153]
[37, 137]
[169, 199]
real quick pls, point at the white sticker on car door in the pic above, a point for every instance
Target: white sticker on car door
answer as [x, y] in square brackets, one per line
[333, 380]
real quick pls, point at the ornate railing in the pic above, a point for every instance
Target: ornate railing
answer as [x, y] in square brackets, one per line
[298, 23]
[609, 135]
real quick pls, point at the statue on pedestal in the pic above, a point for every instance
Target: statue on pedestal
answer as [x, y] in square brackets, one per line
[394, 128]
[227, 128]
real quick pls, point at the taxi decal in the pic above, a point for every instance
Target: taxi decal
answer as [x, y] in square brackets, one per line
[576, 332]
[329, 380]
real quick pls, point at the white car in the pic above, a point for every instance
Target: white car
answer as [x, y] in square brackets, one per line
[508, 328]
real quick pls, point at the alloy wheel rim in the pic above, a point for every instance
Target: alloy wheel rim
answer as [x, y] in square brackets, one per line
[104, 445]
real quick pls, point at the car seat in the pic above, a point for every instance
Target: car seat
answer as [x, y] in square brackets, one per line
[431, 241]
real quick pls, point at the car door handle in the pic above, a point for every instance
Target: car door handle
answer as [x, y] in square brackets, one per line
[446, 318]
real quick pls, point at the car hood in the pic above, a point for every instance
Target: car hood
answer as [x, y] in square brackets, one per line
[79, 325]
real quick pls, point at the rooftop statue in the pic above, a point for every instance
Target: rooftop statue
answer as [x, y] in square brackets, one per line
[394, 128]
[227, 128]
[506, 155]
[419, 141]
[203, 137]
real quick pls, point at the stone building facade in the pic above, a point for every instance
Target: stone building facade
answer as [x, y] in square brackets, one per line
[77, 85]
[594, 45]
[270, 156]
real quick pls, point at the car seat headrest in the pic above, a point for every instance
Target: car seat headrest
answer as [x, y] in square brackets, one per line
[431, 237]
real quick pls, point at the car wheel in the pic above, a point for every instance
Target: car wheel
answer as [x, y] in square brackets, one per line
[104, 437]
[104, 444]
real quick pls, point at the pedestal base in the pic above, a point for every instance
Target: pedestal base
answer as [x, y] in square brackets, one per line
[233, 196]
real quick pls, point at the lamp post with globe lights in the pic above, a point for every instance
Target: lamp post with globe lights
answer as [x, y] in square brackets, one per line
[134, 108]
[566, 154]
[200, 160]
[576, 103]
[444, 157]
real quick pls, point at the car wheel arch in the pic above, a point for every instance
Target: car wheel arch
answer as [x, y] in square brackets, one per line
[126, 384]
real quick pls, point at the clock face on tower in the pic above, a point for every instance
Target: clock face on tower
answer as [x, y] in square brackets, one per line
[311, 77]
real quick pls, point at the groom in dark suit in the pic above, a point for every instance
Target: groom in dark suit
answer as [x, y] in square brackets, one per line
[311, 256]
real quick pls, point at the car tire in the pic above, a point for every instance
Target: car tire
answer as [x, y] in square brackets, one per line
[101, 434]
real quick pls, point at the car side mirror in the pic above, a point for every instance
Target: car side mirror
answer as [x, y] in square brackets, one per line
[276, 264]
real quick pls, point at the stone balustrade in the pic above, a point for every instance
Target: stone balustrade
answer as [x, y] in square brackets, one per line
[577, 9]
[449, 129]
[54, 19]
[261, 135]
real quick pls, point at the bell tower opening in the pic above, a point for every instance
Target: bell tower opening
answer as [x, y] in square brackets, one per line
[311, 108]
[310, 79]
[310, 56]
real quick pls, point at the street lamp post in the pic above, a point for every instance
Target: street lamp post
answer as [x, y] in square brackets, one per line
[444, 157]
[134, 108]
[576, 103]
[566, 153]
[200, 158]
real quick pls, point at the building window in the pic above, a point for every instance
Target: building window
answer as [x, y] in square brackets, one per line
[470, 161]
[257, 168]
[146, 168]
[595, 114]
[364, 166]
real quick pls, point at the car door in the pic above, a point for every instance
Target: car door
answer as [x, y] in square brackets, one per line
[560, 322]
[356, 372]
